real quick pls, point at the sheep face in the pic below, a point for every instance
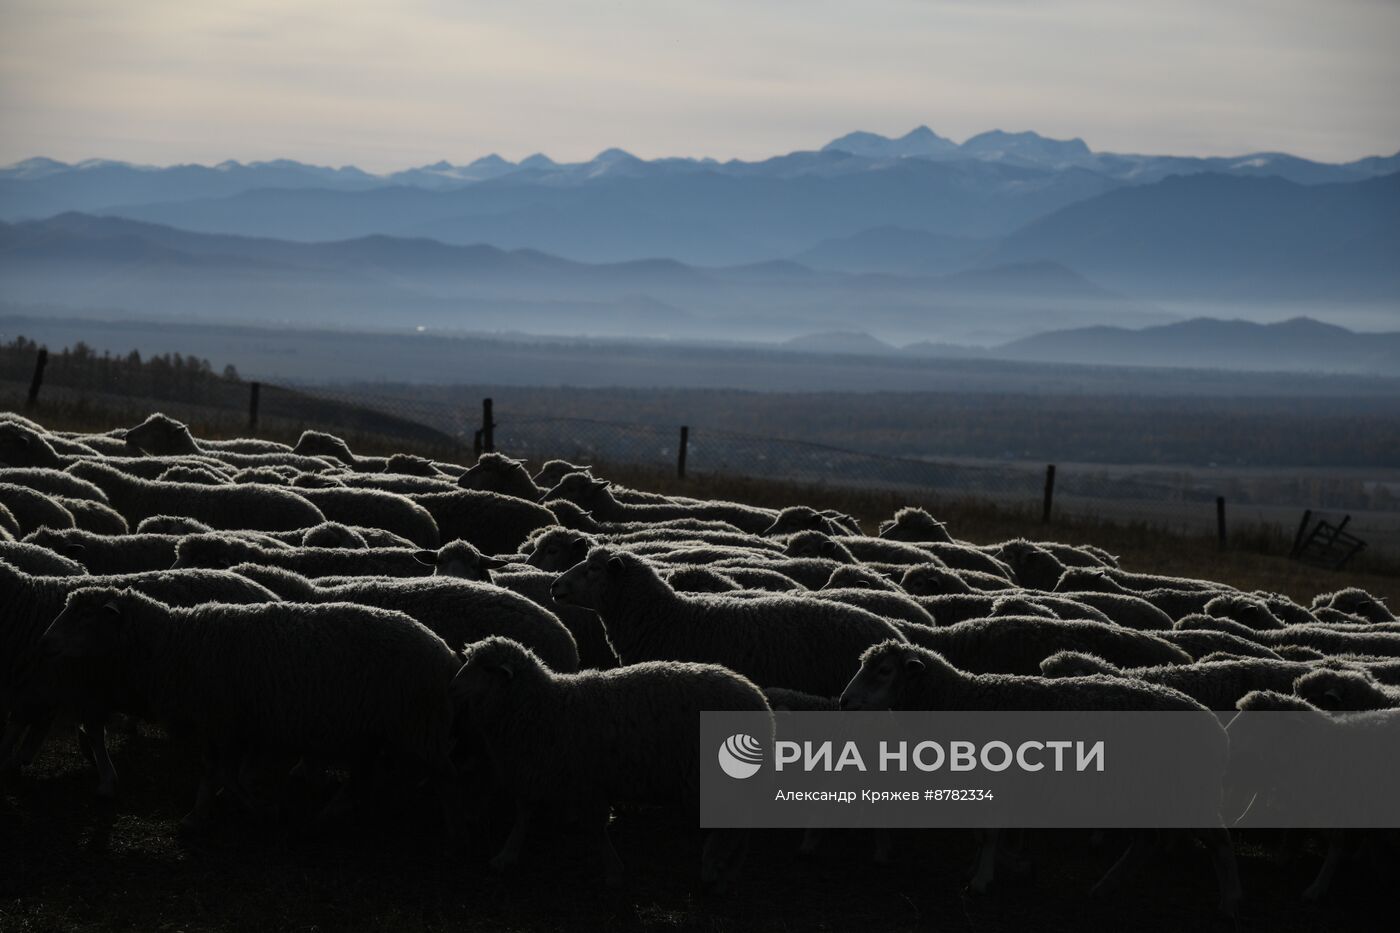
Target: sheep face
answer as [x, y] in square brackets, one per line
[582, 490]
[553, 471]
[799, 518]
[587, 584]
[1244, 610]
[856, 578]
[497, 473]
[932, 580]
[1032, 566]
[1341, 690]
[161, 435]
[885, 671]
[915, 525]
[459, 559]
[21, 447]
[814, 544]
[411, 465]
[571, 516]
[558, 550]
[320, 444]
[1357, 602]
[492, 671]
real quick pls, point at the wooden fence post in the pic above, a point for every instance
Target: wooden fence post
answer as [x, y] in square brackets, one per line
[39, 363]
[1302, 530]
[488, 427]
[254, 393]
[1049, 493]
[685, 444]
[1220, 519]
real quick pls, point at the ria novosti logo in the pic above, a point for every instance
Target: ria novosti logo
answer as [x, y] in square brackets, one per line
[740, 756]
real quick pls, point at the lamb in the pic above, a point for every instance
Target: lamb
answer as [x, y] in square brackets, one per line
[799, 518]
[1265, 769]
[596, 497]
[459, 559]
[1352, 600]
[1017, 644]
[631, 735]
[132, 553]
[52, 483]
[223, 551]
[914, 524]
[457, 611]
[1344, 690]
[552, 471]
[321, 444]
[33, 510]
[38, 560]
[495, 472]
[494, 523]
[535, 585]
[377, 509]
[1216, 685]
[260, 508]
[24, 446]
[570, 515]
[780, 640]
[899, 676]
[935, 579]
[1039, 564]
[337, 682]
[162, 435]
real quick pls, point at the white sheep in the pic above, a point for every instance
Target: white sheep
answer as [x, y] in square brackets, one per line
[593, 739]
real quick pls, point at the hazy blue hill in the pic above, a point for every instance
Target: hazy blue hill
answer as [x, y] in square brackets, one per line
[1226, 236]
[920, 141]
[894, 251]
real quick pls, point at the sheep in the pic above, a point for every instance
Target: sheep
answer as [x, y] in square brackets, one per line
[412, 465]
[317, 481]
[780, 640]
[1216, 685]
[1351, 599]
[321, 444]
[695, 536]
[260, 508]
[552, 471]
[1326, 640]
[1246, 610]
[914, 524]
[94, 516]
[584, 624]
[699, 580]
[337, 682]
[893, 607]
[161, 435]
[795, 701]
[570, 515]
[38, 560]
[806, 572]
[1198, 643]
[595, 738]
[950, 610]
[850, 549]
[171, 525]
[30, 604]
[9, 525]
[757, 578]
[1270, 764]
[270, 476]
[1344, 690]
[1017, 644]
[1127, 611]
[457, 611]
[936, 579]
[494, 523]
[1010, 604]
[1175, 603]
[962, 557]
[34, 510]
[495, 472]
[1284, 609]
[199, 474]
[334, 534]
[800, 518]
[377, 509]
[1296, 652]
[53, 483]
[1152, 581]
[852, 577]
[225, 550]
[596, 496]
[460, 559]
[1040, 564]
[23, 446]
[901, 676]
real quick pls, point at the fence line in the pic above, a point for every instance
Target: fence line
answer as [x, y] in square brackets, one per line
[1173, 499]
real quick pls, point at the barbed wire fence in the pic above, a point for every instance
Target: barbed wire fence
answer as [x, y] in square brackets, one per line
[1177, 500]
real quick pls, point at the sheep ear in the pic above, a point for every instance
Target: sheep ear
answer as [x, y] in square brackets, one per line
[601, 483]
[615, 565]
[1333, 696]
[119, 434]
[581, 545]
[490, 563]
[113, 608]
[426, 557]
[913, 665]
[505, 669]
[73, 549]
[828, 547]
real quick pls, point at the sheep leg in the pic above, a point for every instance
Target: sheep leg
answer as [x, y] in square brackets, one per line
[613, 870]
[1335, 852]
[1140, 849]
[986, 865]
[511, 852]
[1227, 870]
[93, 734]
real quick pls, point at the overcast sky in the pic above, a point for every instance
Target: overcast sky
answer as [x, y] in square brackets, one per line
[393, 84]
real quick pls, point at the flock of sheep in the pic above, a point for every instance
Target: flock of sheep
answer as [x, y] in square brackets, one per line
[485, 634]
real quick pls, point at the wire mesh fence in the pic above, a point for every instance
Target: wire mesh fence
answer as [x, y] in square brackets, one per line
[1180, 500]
